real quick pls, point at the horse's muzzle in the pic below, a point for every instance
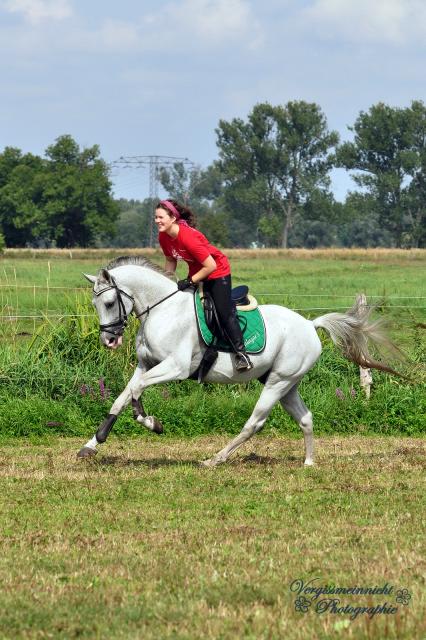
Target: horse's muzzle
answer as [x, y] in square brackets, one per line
[112, 342]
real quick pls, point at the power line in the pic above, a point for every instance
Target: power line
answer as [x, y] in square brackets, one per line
[154, 163]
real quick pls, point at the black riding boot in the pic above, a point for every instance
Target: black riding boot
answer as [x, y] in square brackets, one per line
[220, 291]
[235, 337]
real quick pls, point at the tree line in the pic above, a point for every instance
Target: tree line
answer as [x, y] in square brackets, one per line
[270, 185]
[62, 200]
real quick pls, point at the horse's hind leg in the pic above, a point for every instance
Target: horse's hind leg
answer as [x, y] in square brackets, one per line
[294, 405]
[268, 398]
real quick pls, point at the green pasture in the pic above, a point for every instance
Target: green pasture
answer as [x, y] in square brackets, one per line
[55, 377]
[50, 286]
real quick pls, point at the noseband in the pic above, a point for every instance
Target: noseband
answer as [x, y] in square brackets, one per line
[117, 327]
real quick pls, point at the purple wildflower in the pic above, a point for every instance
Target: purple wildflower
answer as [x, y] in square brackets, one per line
[103, 390]
[340, 394]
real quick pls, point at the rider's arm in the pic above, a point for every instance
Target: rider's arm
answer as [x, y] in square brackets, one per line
[209, 265]
[170, 264]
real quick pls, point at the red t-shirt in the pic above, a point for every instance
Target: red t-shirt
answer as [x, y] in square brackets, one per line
[193, 247]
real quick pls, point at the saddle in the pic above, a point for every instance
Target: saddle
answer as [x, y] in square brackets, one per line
[249, 317]
[240, 297]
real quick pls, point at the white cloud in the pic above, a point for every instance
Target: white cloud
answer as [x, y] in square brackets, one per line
[391, 21]
[36, 11]
[178, 26]
[112, 36]
[214, 21]
[205, 23]
[119, 35]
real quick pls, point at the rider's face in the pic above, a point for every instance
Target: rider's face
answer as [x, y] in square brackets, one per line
[163, 220]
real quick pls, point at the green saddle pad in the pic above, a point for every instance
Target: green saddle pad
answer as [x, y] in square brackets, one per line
[251, 323]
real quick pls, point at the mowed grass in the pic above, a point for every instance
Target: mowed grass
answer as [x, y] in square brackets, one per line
[143, 543]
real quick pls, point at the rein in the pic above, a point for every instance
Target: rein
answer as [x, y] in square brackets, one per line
[148, 309]
[116, 328]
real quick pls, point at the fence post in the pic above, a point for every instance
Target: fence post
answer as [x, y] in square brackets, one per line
[365, 375]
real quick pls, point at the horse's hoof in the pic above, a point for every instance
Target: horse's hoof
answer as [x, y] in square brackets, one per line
[86, 452]
[309, 463]
[208, 464]
[151, 423]
[157, 427]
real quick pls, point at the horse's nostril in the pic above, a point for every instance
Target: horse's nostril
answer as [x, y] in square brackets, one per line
[111, 341]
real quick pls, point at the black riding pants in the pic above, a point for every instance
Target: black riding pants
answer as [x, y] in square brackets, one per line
[220, 290]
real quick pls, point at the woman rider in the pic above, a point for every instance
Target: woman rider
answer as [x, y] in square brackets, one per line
[179, 239]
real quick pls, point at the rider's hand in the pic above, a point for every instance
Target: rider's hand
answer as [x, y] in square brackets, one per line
[184, 284]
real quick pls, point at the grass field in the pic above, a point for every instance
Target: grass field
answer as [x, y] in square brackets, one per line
[141, 542]
[43, 283]
[50, 366]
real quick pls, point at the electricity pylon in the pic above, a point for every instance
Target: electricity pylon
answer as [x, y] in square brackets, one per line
[154, 163]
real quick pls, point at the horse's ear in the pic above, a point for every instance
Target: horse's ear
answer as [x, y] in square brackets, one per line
[104, 276]
[91, 279]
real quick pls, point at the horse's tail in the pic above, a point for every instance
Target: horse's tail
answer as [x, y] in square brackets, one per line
[353, 331]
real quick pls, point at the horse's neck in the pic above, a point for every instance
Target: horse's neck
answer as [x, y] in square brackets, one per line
[145, 285]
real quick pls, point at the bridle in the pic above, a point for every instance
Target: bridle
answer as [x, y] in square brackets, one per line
[116, 328]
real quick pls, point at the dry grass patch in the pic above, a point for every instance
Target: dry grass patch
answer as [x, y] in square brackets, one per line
[327, 253]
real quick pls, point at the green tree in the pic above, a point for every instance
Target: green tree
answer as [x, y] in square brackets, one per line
[133, 224]
[201, 190]
[359, 224]
[274, 164]
[21, 194]
[388, 158]
[416, 192]
[77, 197]
[64, 199]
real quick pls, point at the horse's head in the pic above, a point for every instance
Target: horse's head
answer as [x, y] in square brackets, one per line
[113, 305]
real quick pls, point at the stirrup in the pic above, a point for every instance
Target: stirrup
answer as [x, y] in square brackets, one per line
[242, 361]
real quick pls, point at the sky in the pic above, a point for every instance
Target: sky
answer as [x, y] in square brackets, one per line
[143, 78]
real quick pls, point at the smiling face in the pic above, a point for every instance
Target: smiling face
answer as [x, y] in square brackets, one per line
[166, 222]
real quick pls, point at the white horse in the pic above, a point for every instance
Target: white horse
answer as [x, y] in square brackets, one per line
[169, 347]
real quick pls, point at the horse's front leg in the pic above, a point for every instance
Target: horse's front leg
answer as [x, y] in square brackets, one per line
[167, 370]
[150, 422]
[105, 427]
